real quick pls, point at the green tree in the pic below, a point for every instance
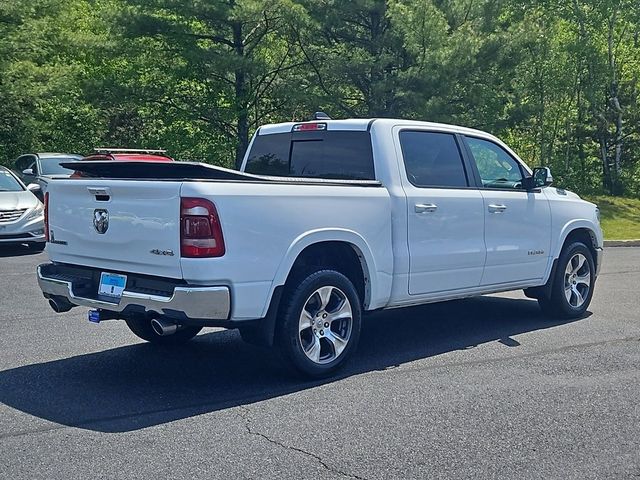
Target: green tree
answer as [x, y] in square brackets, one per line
[42, 45]
[225, 64]
[557, 80]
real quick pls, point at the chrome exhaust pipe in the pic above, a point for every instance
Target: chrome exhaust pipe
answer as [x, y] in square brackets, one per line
[163, 327]
[60, 304]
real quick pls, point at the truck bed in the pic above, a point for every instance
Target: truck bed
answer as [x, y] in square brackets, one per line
[266, 223]
[193, 171]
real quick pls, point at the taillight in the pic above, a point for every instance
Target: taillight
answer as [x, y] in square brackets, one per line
[200, 229]
[46, 216]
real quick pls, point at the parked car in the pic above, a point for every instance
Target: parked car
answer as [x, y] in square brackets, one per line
[41, 168]
[326, 221]
[21, 213]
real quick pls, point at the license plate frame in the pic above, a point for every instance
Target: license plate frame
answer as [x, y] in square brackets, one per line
[112, 285]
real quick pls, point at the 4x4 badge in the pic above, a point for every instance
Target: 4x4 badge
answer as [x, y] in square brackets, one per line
[101, 220]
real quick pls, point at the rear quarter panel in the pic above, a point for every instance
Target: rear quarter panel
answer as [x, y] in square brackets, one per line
[266, 226]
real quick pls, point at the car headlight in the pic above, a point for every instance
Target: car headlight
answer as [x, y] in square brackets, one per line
[598, 214]
[36, 212]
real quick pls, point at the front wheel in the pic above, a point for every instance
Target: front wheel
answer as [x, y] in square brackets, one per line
[573, 283]
[320, 324]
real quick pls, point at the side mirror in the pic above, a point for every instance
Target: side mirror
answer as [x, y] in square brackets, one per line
[541, 177]
[34, 187]
[28, 172]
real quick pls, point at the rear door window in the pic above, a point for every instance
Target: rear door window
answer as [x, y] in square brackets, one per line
[432, 159]
[345, 155]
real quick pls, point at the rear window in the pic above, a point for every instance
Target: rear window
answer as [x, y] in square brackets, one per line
[342, 155]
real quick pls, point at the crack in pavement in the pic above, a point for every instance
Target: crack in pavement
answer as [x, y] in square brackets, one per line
[245, 415]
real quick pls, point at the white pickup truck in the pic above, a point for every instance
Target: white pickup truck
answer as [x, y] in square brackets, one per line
[328, 219]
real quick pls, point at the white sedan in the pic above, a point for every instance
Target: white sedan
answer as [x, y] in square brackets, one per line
[21, 213]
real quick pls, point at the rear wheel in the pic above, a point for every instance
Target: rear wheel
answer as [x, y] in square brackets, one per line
[573, 282]
[320, 324]
[141, 327]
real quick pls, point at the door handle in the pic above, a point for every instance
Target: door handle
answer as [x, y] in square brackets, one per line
[493, 208]
[425, 207]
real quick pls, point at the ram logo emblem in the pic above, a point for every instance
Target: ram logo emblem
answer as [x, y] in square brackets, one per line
[101, 220]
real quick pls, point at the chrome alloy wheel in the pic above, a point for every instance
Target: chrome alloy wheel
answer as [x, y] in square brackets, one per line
[577, 280]
[325, 324]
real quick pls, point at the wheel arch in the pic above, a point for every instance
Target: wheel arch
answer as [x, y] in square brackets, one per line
[343, 250]
[360, 267]
[583, 231]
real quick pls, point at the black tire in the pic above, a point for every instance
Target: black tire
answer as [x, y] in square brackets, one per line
[557, 304]
[142, 328]
[37, 247]
[289, 337]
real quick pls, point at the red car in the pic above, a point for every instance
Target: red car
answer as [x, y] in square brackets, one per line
[125, 155]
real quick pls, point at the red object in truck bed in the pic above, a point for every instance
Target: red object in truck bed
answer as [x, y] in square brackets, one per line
[128, 157]
[125, 155]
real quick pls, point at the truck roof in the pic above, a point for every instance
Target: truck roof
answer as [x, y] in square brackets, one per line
[363, 124]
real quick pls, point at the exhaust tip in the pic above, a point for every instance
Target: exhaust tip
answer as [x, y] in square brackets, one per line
[163, 327]
[60, 305]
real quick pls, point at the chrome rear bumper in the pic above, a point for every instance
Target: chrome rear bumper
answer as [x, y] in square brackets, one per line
[193, 302]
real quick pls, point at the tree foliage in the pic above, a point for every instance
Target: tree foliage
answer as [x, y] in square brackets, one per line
[559, 81]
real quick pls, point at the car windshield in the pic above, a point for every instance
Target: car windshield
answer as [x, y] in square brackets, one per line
[8, 183]
[51, 166]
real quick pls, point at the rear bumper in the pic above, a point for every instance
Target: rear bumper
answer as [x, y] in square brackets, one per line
[194, 304]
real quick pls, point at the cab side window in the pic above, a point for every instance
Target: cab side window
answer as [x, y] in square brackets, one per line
[432, 159]
[22, 163]
[497, 168]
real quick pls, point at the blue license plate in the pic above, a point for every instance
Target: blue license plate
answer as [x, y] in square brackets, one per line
[112, 284]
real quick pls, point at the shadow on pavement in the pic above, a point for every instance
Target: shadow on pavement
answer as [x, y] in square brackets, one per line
[18, 250]
[141, 385]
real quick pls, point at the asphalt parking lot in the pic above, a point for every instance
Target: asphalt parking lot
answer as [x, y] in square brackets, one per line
[474, 388]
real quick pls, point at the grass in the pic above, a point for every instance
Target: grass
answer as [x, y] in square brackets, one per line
[619, 217]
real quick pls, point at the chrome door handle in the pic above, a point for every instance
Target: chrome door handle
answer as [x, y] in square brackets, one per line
[425, 207]
[493, 208]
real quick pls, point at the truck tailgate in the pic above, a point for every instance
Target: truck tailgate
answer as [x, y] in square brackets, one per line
[117, 225]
